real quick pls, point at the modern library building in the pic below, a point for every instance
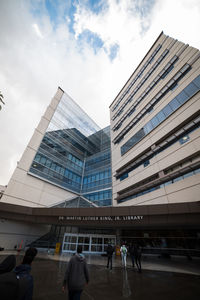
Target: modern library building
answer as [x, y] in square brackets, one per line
[136, 181]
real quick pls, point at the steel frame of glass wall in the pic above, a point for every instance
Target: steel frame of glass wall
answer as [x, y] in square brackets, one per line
[91, 243]
[76, 154]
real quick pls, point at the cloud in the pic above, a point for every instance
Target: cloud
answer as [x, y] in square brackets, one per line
[88, 50]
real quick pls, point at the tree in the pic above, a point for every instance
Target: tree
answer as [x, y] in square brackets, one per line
[1, 99]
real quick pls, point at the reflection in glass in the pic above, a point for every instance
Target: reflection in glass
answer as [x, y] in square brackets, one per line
[75, 153]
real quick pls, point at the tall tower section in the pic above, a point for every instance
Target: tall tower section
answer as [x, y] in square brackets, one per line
[155, 134]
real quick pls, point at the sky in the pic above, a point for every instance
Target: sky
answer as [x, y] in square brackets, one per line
[87, 47]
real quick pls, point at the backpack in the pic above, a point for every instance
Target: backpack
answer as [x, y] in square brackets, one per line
[12, 287]
[124, 250]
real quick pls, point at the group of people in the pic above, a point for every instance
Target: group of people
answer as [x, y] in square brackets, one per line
[16, 283]
[135, 254]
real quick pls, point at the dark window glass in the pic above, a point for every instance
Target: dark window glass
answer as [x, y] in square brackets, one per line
[167, 110]
[182, 97]
[155, 122]
[161, 117]
[37, 158]
[191, 89]
[53, 166]
[174, 104]
[43, 160]
[197, 81]
[146, 163]
[148, 127]
[184, 139]
[123, 176]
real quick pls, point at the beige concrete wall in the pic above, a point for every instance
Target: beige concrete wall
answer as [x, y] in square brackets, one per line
[187, 190]
[24, 189]
[19, 233]
[176, 152]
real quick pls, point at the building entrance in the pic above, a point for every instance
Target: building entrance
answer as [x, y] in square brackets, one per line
[91, 243]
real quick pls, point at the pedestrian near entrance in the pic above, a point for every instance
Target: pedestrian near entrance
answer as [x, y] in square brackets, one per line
[137, 256]
[123, 251]
[132, 255]
[76, 275]
[109, 251]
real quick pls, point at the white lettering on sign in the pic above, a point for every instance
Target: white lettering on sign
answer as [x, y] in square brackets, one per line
[100, 218]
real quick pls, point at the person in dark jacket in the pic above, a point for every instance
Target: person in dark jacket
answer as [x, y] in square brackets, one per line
[23, 272]
[137, 256]
[9, 285]
[109, 251]
[76, 275]
[132, 255]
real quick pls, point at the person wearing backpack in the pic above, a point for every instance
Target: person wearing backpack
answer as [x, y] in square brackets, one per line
[109, 251]
[23, 275]
[8, 282]
[123, 251]
[12, 287]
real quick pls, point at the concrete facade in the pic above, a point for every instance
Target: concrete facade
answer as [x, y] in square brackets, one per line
[132, 110]
[24, 189]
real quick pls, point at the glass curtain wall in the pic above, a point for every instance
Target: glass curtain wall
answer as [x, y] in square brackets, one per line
[97, 174]
[73, 147]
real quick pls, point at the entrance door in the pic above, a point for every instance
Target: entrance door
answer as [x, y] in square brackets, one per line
[91, 243]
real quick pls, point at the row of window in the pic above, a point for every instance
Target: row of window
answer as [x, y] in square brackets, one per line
[75, 160]
[53, 164]
[44, 161]
[178, 178]
[164, 72]
[171, 107]
[107, 202]
[137, 76]
[102, 195]
[55, 177]
[97, 177]
[182, 138]
[104, 183]
[97, 159]
[43, 166]
[149, 107]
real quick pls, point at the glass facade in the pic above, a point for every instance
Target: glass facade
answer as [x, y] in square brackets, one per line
[75, 154]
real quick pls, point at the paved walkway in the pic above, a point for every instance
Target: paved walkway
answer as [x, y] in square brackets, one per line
[161, 279]
[178, 264]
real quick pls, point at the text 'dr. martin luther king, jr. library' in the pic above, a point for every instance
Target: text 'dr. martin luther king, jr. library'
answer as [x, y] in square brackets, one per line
[134, 181]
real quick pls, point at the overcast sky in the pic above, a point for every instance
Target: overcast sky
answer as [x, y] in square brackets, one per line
[88, 47]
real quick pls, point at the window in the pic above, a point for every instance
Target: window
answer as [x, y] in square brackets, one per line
[184, 139]
[155, 122]
[182, 97]
[191, 89]
[167, 110]
[146, 163]
[123, 176]
[43, 160]
[174, 104]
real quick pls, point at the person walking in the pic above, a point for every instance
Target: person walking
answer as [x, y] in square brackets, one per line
[109, 251]
[132, 255]
[76, 275]
[137, 256]
[123, 251]
[23, 274]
